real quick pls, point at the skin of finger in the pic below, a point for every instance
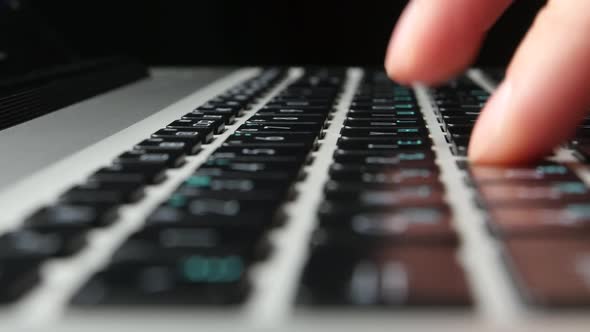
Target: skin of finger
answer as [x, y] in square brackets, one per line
[548, 81]
[436, 39]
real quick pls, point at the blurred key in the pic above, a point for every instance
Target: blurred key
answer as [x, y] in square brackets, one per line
[543, 172]
[384, 276]
[142, 274]
[552, 272]
[542, 221]
[17, 278]
[538, 194]
[386, 226]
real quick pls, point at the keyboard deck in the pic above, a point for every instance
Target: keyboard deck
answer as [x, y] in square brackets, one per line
[310, 195]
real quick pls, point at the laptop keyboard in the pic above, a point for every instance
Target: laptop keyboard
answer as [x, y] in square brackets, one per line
[385, 233]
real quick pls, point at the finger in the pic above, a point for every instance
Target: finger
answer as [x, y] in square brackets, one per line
[436, 39]
[545, 93]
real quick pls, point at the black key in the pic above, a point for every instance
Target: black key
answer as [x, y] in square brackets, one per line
[143, 274]
[551, 272]
[582, 151]
[160, 144]
[293, 112]
[460, 121]
[248, 241]
[401, 176]
[427, 194]
[214, 108]
[17, 278]
[412, 225]
[168, 159]
[211, 183]
[130, 172]
[104, 193]
[537, 194]
[34, 245]
[459, 130]
[383, 124]
[295, 119]
[250, 167]
[409, 158]
[543, 172]
[264, 152]
[383, 143]
[317, 108]
[74, 217]
[274, 129]
[261, 140]
[371, 115]
[227, 117]
[215, 212]
[217, 126]
[295, 126]
[190, 136]
[248, 156]
[384, 132]
[552, 222]
[384, 276]
[249, 172]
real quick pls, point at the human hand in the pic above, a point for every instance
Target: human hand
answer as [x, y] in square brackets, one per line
[545, 94]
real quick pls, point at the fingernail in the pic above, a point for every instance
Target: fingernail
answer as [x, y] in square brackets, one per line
[400, 46]
[490, 127]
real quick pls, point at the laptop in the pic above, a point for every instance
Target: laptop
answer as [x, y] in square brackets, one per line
[287, 198]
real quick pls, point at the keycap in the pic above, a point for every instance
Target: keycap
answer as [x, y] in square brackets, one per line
[376, 124]
[551, 272]
[255, 156]
[215, 126]
[384, 132]
[66, 216]
[541, 172]
[367, 227]
[566, 219]
[582, 151]
[159, 144]
[29, 244]
[216, 212]
[17, 278]
[278, 141]
[542, 194]
[383, 143]
[143, 274]
[406, 176]
[295, 119]
[150, 174]
[227, 117]
[386, 276]
[189, 136]
[383, 157]
[416, 194]
[169, 159]
[104, 193]
[280, 128]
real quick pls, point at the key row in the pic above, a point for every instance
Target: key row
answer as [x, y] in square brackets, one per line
[384, 225]
[198, 246]
[60, 229]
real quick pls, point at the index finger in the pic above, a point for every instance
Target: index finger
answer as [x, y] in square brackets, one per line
[436, 39]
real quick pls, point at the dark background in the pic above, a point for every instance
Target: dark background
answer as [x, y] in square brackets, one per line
[242, 32]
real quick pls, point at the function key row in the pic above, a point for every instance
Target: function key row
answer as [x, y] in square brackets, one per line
[384, 225]
[199, 245]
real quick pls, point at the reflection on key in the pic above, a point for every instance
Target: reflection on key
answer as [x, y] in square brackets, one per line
[552, 272]
[568, 219]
